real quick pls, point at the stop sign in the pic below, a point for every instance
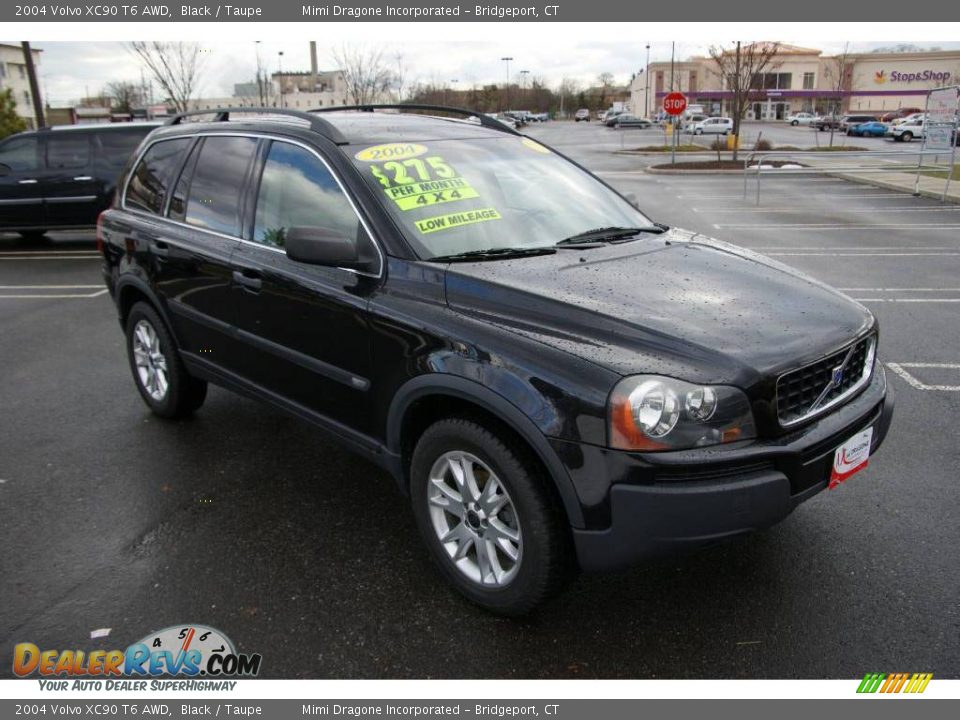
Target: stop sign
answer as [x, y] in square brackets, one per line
[675, 103]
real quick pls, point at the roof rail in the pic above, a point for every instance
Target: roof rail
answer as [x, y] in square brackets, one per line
[317, 124]
[485, 120]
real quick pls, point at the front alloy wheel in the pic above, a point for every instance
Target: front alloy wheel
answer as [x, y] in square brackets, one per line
[475, 519]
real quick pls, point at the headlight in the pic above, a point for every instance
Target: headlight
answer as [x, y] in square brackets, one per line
[647, 412]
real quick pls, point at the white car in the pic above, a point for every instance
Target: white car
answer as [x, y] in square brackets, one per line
[713, 126]
[910, 118]
[908, 129]
[801, 118]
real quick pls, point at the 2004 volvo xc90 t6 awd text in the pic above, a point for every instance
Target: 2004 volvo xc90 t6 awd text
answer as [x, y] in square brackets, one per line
[554, 379]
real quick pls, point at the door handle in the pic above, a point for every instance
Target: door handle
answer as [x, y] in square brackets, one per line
[251, 283]
[81, 178]
[27, 182]
[159, 248]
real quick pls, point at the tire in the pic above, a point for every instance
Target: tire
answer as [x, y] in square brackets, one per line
[34, 236]
[795, 123]
[907, 136]
[183, 393]
[544, 556]
[698, 131]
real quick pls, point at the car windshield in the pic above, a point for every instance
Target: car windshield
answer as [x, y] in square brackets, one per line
[456, 196]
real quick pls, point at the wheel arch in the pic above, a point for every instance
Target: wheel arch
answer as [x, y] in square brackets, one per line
[427, 398]
[130, 291]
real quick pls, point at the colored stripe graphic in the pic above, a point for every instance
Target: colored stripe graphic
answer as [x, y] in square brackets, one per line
[913, 683]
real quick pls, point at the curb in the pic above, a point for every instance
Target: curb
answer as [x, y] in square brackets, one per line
[887, 185]
[669, 171]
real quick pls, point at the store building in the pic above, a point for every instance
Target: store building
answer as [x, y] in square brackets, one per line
[803, 79]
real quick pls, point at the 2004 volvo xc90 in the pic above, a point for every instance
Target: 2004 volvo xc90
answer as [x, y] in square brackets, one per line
[554, 379]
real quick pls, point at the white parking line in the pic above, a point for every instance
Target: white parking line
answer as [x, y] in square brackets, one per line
[32, 256]
[50, 287]
[841, 226]
[898, 368]
[26, 296]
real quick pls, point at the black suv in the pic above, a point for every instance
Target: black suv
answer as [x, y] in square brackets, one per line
[63, 177]
[554, 379]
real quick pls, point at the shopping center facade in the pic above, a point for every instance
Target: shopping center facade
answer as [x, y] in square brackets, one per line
[804, 79]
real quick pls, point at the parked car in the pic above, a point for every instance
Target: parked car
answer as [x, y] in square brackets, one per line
[899, 114]
[582, 114]
[628, 120]
[908, 130]
[540, 409]
[826, 122]
[847, 120]
[608, 115]
[801, 118]
[62, 177]
[873, 128]
[687, 123]
[913, 116]
[712, 126]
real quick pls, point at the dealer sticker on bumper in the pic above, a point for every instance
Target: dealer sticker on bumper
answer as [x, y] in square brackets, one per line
[851, 457]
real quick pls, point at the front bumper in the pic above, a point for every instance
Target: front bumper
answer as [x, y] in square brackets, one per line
[658, 503]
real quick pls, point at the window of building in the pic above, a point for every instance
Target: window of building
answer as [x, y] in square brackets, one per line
[808, 79]
[23, 71]
[20, 154]
[26, 97]
[297, 190]
[3, 70]
[772, 81]
[69, 150]
[693, 81]
[217, 184]
[147, 189]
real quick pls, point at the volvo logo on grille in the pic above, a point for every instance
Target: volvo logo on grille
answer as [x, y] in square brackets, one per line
[837, 375]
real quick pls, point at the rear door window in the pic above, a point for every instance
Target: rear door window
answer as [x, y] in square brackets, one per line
[68, 151]
[147, 189]
[217, 185]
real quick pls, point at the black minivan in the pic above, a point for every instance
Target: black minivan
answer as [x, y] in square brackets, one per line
[555, 380]
[63, 177]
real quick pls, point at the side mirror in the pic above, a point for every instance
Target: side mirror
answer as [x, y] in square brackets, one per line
[5, 169]
[632, 199]
[322, 246]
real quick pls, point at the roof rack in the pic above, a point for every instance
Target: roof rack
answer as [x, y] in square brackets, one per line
[485, 120]
[317, 124]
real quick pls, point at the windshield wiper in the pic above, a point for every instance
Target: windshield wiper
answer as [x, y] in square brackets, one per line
[610, 234]
[493, 254]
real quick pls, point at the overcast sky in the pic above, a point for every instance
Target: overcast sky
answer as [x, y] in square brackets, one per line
[70, 70]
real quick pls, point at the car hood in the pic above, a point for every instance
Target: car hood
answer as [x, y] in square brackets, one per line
[679, 304]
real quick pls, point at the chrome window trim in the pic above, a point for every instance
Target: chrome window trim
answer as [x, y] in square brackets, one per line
[852, 390]
[266, 136]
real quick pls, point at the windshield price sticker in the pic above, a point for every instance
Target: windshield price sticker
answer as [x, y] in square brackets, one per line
[455, 220]
[391, 151]
[434, 192]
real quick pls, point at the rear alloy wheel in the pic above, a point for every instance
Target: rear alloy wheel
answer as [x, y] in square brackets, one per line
[164, 384]
[485, 514]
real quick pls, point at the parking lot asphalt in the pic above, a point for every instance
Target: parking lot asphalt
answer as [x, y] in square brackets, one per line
[254, 523]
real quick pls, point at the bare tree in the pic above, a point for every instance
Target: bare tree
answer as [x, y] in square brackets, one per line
[741, 69]
[399, 78]
[176, 66]
[837, 70]
[366, 74]
[124, 95]
[569, 87]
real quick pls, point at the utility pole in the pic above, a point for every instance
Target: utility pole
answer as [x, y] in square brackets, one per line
[646, 85]
[673, 47]
[34, 85]
[736, 95]
[280, 73]
[507, 61]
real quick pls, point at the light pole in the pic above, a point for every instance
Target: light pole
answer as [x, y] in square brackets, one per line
[646, 85]
[507, 61]
[280, 73]
[523, 85]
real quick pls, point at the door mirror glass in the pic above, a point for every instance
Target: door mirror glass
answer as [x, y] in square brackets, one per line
[322, 246]
[4, 169]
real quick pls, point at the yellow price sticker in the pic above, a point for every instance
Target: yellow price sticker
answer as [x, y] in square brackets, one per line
[391, 151]
[455, 220]
[433, 192]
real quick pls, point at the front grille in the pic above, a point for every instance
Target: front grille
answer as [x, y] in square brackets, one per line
[810, 390]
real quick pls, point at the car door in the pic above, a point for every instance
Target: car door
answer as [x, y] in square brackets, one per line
[21, 196]
[70, 190]
[205, 214]
[305, 325]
